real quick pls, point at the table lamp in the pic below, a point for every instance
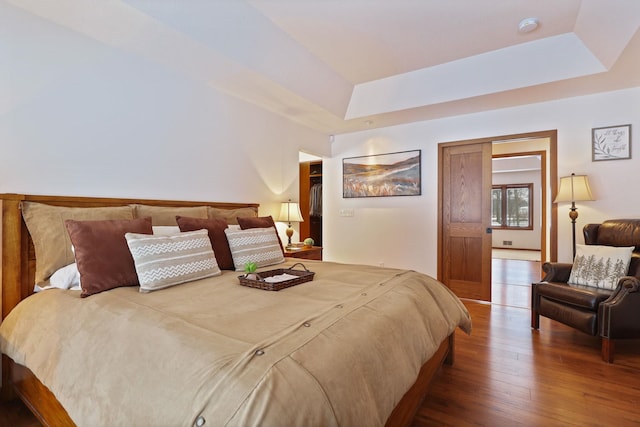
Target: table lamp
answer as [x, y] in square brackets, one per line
[290, 212]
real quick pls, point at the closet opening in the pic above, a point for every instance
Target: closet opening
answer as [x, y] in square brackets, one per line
[311, 197]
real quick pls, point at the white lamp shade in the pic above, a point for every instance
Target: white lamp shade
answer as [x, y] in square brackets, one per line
[290, 212]
[574, 188]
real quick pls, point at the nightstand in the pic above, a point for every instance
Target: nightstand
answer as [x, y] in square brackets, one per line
[314, 252]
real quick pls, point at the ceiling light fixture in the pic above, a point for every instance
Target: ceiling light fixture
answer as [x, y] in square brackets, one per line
[527, 25]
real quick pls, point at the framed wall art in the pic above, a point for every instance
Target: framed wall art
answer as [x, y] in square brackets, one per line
[611, 143]
[382, 175]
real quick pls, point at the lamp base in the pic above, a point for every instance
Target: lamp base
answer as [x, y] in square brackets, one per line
[573, 214]
[289, 235]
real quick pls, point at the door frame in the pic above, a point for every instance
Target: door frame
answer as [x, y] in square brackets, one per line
[551, 185]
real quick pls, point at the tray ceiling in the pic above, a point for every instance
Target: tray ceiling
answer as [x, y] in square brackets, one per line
[341, 66]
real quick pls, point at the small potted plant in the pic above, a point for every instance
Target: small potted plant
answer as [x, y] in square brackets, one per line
[250, 270]
[308, 242]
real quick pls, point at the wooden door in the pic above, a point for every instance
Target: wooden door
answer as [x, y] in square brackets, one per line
[465, 219]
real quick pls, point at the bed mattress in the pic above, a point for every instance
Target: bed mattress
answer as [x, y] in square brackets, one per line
[339, 350]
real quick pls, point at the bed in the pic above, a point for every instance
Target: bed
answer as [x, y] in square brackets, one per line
[358, 345]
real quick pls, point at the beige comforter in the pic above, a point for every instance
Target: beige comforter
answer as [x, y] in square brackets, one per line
[340, 350]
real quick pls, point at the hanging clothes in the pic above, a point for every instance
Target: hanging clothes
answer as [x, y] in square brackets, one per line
[315, 200]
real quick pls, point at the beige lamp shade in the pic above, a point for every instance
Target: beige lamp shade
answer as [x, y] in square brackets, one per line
[574, 188]
[290, 212]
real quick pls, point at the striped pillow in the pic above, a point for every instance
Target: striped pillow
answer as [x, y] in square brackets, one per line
[259, 245]
[163, 261]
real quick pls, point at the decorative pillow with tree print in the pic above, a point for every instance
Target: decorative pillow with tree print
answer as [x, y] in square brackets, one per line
[600, 266]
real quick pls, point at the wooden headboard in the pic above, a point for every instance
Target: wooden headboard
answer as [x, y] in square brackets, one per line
[17, 270]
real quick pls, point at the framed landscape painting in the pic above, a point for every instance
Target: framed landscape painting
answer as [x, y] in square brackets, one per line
[382, 175]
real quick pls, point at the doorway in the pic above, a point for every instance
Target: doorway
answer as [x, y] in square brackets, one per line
[310, 197]
[518, 205]
[541, 144]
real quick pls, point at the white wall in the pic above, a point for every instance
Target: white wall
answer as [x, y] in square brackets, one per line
[521, 239]
[81, 118]
[78, 117]
[402, 231]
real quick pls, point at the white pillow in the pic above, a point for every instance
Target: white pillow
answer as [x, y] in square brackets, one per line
[163, 261]
[600, 266]
[67, 277]
[259, 245]
[165, 230]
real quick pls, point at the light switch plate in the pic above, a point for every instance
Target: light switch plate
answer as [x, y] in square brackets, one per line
[345, 212]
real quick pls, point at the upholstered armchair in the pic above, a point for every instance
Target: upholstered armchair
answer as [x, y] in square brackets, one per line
[612, 313]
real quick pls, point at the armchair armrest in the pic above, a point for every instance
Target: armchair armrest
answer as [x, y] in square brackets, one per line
[556, 272]
[620, 314]
[630, 283]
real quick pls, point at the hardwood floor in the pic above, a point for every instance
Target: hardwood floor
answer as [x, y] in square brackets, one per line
[511, 281]
[505, 374]
[15, 414]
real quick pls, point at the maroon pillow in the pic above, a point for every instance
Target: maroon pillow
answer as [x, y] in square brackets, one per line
[219, 242]
[102, 254]
[259, 222]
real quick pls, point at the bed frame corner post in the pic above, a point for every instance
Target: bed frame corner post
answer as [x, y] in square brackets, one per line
[11, 271]
[6, 391]
[12, 252]
[1, 261]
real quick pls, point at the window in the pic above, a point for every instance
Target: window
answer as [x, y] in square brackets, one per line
[511, 206]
